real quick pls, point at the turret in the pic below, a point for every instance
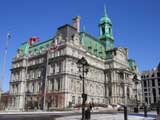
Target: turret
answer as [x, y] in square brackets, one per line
[106, 36]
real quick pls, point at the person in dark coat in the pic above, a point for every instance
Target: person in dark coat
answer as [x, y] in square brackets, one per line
[88, 114]
[90, 107]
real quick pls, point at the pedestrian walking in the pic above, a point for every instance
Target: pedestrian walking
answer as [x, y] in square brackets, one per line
[87, 114]
[90, 107]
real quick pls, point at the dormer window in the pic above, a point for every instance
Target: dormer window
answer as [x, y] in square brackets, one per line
[89, 48]
[95, 50]
[100, 52]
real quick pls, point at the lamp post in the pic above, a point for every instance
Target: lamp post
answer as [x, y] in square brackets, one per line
[145, 110]
[158, 107]
[124, 106]
[136, 83]
[83, 65]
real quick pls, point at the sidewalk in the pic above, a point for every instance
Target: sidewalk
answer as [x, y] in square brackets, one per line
[35, 112]
[105, 117]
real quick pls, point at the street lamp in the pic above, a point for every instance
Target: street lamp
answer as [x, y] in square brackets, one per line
[124, 106]
[83, 65]
[136, 83]
[158, 107]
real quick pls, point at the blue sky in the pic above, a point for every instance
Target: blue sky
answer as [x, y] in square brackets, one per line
[136, 25]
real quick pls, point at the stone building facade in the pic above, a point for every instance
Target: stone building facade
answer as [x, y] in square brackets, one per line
[45, 75]
[151, 85]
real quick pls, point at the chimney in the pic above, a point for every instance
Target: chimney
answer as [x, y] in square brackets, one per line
[76, 23]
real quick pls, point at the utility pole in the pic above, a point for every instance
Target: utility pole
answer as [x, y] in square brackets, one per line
[4, 62]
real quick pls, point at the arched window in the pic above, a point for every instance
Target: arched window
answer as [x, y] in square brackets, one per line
[103, 30]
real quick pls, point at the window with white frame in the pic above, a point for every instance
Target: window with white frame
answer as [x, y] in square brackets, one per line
[73, 99]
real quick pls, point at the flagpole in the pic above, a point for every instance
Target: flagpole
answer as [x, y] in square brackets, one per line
[45, 82]
[4, 61]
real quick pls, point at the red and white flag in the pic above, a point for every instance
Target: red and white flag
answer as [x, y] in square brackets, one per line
[33, 40]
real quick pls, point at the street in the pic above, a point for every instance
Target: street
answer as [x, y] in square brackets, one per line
[68, 116]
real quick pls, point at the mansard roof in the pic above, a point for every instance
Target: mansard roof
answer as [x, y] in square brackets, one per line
[25, 48]
[92, 45]
[41, 45]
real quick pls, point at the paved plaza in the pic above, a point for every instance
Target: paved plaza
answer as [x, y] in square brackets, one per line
[106, 117]
[71, 115]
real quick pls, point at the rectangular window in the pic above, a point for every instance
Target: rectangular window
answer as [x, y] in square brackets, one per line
[145, 84]
[50, 69]
[158, 74]
[154, 92]
[59, 85]
[33, 87]
[33, 62]
[158, 82]
[53, 68]
[153, 82]
[73, 99]
[146, 99]
[39, 73]
[150, 100]
[39, 87]
[52, 82]
[59, 64]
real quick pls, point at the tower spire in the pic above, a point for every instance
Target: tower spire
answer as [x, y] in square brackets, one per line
[105, 25]
[105, 10]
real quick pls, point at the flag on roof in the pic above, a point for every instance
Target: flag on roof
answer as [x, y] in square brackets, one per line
[33, 40]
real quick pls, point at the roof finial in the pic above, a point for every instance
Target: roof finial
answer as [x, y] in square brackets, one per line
[105, 10]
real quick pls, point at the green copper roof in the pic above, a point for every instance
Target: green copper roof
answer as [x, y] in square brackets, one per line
[25, 48]
[105, 18]
[39, 46]
[93, 46]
